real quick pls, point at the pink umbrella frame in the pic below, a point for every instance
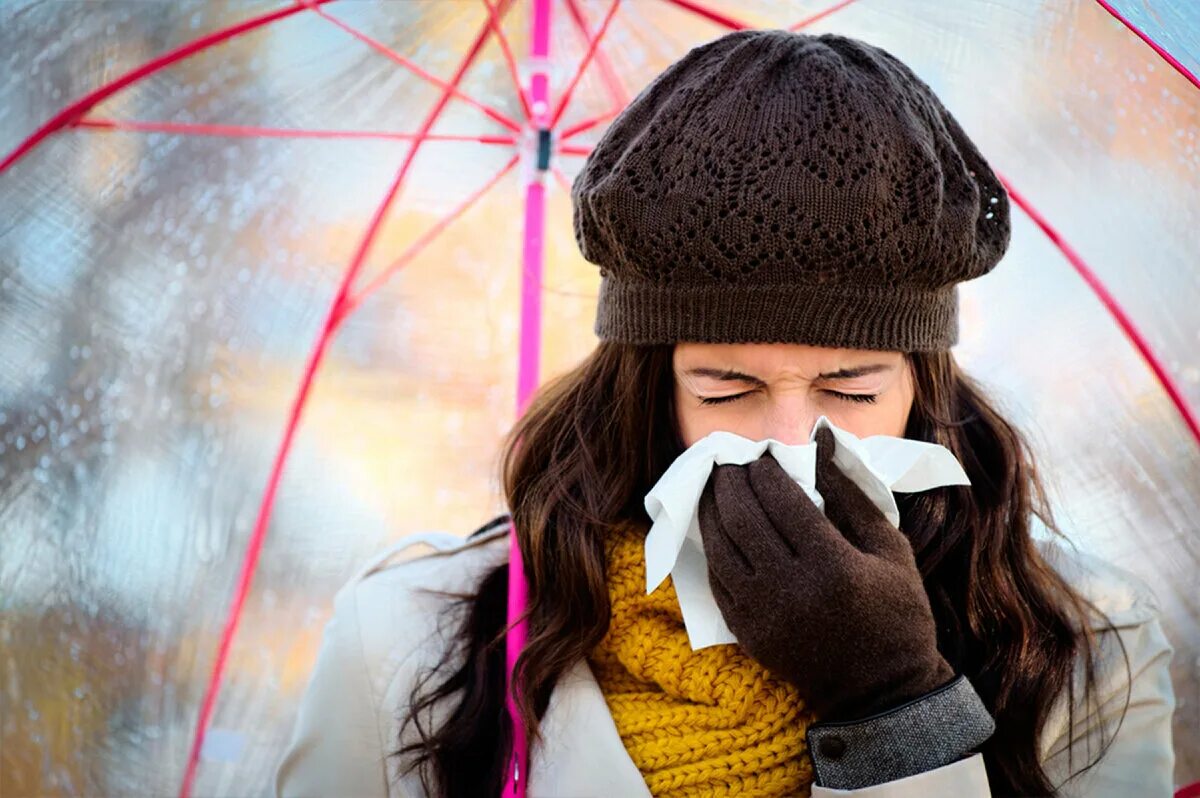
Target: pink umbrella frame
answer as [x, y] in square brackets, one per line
[536, 136]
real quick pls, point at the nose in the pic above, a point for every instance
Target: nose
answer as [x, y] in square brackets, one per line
[790, 422]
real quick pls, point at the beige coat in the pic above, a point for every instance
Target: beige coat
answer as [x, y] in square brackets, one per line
[384, 631]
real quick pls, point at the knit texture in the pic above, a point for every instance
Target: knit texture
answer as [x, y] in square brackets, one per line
[711, 722]
[776, 186]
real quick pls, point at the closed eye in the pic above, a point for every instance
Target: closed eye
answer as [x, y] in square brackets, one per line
[716, 400]
[868, 398]
[856, 397]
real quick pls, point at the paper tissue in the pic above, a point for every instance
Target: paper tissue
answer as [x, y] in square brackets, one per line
[878, 464]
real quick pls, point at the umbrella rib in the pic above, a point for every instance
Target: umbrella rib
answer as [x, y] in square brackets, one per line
[576, 149]
[583, 64]
[334, 317]
[710, 14]
[73, 111]
[616, 90]
[1115, 309]
[588, 124]
[427, 238]
[819, 15]
[508, 59]
[563, 182]
[375, 44]
[1170, 59]
[101, 123]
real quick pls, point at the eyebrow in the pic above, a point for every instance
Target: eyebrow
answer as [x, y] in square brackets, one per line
[729, 375]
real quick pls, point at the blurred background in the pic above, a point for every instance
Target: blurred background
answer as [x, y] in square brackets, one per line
[160, 292]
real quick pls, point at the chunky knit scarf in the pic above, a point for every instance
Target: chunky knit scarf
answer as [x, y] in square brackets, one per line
[710, 722]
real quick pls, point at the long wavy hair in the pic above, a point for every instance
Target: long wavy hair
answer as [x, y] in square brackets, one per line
[592, 444]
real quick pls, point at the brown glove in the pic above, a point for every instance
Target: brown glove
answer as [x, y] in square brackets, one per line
[834, 604]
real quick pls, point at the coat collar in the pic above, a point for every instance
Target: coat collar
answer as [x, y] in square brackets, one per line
[581, 753]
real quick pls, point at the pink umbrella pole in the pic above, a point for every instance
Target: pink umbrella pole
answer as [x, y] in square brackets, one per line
[527, 370]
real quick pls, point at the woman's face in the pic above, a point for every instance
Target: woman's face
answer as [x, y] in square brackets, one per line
[780, 390]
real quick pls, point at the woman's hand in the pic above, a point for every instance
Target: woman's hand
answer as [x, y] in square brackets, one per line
[834, 604]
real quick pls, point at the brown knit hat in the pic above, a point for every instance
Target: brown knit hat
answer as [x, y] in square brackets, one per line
[777, 186]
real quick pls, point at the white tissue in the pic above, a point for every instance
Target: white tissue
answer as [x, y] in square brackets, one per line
[878, 464]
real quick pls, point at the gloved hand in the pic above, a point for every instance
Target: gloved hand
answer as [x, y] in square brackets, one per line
[835, 605]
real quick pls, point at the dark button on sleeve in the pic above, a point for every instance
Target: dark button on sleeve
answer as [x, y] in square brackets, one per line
[831, 747]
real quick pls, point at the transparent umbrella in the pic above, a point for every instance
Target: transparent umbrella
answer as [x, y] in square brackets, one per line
[274, 279]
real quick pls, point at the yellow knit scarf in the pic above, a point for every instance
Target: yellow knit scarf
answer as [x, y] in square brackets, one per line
[711, 722]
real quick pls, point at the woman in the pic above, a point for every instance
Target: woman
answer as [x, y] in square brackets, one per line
[780, 222]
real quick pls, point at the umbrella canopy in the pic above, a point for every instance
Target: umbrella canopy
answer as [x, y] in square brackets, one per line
[313, 257]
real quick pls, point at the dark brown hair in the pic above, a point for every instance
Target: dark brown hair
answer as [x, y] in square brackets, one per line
[594, 442]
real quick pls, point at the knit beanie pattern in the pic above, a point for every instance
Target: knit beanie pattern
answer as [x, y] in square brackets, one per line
[775, 186]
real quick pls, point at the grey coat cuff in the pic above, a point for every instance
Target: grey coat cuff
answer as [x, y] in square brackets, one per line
[926, 733]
